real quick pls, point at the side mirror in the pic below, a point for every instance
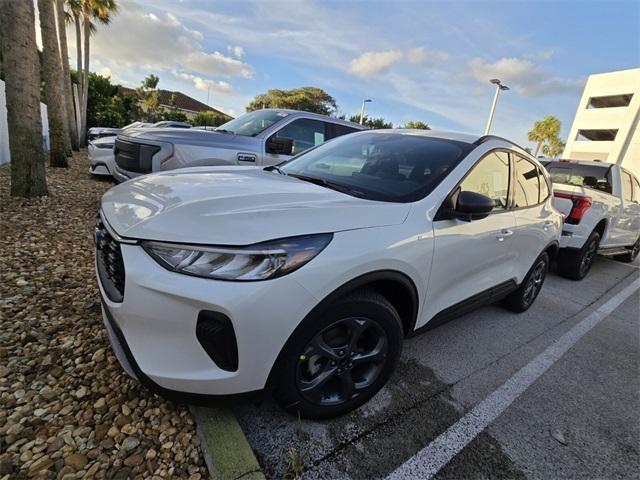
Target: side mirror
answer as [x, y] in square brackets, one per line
[280, 145]
[471, 206]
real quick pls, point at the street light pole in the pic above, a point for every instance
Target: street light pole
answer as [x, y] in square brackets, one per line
[499, 87]
[366, 100]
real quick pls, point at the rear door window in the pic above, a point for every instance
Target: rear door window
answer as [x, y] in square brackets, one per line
[336, 130]
[527, 186]
[588, 176]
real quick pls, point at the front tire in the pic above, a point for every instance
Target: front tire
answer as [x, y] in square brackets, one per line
[575, 264]
[336, 361]
[521, 299]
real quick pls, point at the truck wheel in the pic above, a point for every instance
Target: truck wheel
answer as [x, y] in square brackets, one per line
[335, 362]
[575, 264]
[521, 299]
[631, 255]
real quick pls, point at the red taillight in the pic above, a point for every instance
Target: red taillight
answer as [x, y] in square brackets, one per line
[580, 205]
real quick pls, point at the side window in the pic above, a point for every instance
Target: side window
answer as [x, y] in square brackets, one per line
[636, 190]
[305, 134]
[527, 187]
[335, 130]
[544, 186]
[490, 177]
[627, 189]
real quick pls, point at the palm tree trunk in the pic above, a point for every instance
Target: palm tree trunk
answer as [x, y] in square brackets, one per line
[538, 148]
[66, 76]
[52, 70]
[79, 67]
[22, 77]
[85, 73]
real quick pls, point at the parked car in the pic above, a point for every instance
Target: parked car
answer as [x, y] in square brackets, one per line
[304, 278]
[264, 137]
[100, 153]
[99, 132]
[601, 202]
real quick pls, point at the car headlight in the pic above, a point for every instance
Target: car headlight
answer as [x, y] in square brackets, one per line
[260, 261]
[103, 145]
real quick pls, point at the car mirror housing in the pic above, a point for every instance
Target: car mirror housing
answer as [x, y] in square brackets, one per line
[280, 145]
[471, 206]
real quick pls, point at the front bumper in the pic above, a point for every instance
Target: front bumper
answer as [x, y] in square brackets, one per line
[153, 330]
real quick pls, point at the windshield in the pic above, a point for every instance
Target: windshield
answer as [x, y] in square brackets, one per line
[597, 177]
[383, 166]
[252, 123]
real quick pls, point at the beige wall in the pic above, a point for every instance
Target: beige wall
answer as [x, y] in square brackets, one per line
[625, 149]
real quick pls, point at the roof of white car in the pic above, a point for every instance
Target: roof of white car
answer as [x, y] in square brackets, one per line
[460, 137]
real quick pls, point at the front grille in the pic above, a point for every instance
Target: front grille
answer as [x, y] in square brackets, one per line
[134, 157]
[109, 262]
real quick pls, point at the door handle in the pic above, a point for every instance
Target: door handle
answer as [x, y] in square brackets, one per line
[548, 224]
[504, 234]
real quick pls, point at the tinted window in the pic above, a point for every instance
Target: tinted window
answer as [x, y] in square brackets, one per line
[627, 189]
[381, 166]
[252, 123]
[305, 134]
[490, 177]
[335, 130]
[590, 176]
[527, 187]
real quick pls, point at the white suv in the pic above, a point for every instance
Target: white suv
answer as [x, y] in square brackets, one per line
[304, 278]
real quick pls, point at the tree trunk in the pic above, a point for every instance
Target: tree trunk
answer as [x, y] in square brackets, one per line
[76, 22]
[22, 82]
[52, 70]
[538, 148]
[85, 73]
[66, 76]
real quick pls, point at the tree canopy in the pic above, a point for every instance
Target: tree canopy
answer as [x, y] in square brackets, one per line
[546, 134]
[371, 122]
[308, 99]
[417, 124]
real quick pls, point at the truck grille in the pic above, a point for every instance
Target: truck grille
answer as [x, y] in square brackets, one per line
[109, 262]
[134, 157]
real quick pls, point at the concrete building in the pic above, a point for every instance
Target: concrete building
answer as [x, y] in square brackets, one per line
[607, 124]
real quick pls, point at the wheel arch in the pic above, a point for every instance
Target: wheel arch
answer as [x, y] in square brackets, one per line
[601, 227]
[395, 286]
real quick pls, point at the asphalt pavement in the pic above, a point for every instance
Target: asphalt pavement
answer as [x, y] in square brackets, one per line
[550, 393]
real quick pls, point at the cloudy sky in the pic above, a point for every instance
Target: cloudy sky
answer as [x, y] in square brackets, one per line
[428, 61]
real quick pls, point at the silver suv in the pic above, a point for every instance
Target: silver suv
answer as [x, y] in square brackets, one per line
[263, 137]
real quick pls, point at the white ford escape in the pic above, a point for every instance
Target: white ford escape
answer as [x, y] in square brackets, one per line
[305, 278]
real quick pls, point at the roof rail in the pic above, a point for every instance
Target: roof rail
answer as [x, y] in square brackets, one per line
[486, 138]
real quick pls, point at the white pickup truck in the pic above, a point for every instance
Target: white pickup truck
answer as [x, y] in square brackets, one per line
[601, 204]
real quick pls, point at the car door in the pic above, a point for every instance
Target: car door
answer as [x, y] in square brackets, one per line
[305, 133]
[630, 211]
[536, 226]
[470, 258]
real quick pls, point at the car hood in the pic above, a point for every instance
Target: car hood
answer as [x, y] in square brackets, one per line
[191, 136]
[236, 206]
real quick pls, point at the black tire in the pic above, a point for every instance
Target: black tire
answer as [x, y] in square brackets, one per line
[575, 264]
[319, 374]
[521, 299]
[631, 255]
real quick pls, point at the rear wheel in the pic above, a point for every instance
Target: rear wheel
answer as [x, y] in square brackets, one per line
[575, 264]
[521, 299]
[631, 255]
[333, 364]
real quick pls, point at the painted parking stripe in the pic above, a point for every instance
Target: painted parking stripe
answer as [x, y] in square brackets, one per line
[428, 461]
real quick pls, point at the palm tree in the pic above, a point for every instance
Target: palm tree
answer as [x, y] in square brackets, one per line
[53, 91]
[84, 11]
[22, 77]
[544, 131]
[61, 16]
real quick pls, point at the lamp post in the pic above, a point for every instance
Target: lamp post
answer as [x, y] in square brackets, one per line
[499, 87]
[366, 100]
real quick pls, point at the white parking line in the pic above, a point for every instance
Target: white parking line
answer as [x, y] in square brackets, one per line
[428, 461]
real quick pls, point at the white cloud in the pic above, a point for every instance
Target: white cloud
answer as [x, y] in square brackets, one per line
[136, 38]
[235, 50]
[523, 76]
[206, 85]
[370, 63]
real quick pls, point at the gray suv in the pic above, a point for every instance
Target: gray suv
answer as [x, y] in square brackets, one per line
[263, 137]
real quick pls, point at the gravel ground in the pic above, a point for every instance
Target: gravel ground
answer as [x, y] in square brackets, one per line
[67, 410]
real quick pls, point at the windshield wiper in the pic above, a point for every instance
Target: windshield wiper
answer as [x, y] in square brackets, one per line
[271, 168]
[329, 184]
[222, 130]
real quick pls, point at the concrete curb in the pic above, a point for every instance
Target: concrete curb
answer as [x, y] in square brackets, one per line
[226, 451]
